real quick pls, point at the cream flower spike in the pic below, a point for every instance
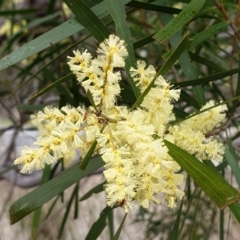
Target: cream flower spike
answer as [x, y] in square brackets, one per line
[137, 165]
[142, 75]
[99, 76]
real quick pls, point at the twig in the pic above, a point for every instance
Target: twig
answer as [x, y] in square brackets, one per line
[225, 15]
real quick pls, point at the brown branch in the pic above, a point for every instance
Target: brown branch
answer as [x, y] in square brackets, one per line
[225, 15]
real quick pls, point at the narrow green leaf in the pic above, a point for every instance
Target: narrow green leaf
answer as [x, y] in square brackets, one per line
[142, 42]
[204, 35]
[153, 7]
[47, 64]
[51, 37]
[182, 46]
[180, 114]
[207, 79]
[35, 222]
[237, 93]
[38, 21]
[42, 42]
[51, 86]
[233, 163]
[170, 61]
[238, 84]
[210, 181]
[175, 230]
[117, 11]
[117, 235]
[184, 96]
[35, 22]
[205, 61]
[83, 164]
[31, 107]
[76, 205]
[99, 225]
[88, 19]
[235, 209]
[191, 195]
[90, 98]
[51, 5]
[194, 216]
[18, 11]
[210, 13]
[31, 201]
[52, 207]
[37, 213]
[111, 224]
[180, 20]
[221, 225]
[184, 60]
[65, 217]
[97, 189]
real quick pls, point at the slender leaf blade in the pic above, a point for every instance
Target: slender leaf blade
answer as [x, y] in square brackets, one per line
[88, 19]
[208, 179]
[37, 213]
[53, 36]
[51, 86]
[117, 235]
[233, 164]
[83, 164]
[175, 230]
[184, 60]
[203, 36]
[154, 7]
[235, 209]
[42, 42]
[111, 224]
[65, 217]
[206, 34]
[116, 10]
[97, 189]
[180, 20]
[207, 79]
[207, 62]
[47, 64]
[183, 45]
[18, 11]
[31, 201]
[99, 225]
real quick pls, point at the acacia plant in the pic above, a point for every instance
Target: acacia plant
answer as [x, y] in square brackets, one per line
[148, 105]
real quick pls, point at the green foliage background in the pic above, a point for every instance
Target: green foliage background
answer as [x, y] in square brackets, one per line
[194, 44]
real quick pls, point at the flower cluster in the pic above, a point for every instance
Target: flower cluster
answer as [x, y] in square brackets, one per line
[190, 134]
[131, 143]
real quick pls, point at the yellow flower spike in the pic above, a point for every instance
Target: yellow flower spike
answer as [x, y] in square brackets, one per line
[137, 163]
